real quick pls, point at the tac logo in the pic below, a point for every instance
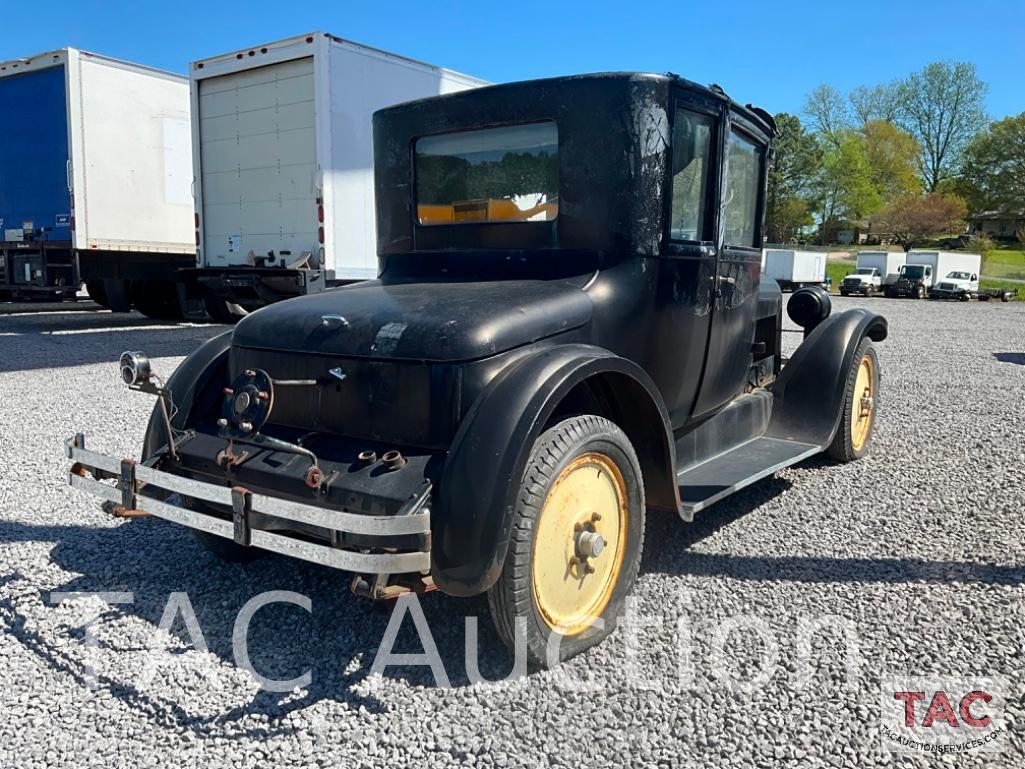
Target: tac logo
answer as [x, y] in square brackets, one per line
[941, 714]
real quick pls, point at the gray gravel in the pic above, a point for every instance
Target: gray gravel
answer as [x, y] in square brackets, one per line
[919, 548]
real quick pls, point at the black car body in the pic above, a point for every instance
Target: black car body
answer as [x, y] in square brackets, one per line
[550, 251]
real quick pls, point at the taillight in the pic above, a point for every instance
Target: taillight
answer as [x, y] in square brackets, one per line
[320, 235]
[72, 224]
[320, 213]
[196, 215]
[197, 237]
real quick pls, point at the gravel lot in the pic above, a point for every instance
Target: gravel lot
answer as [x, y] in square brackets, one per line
[919, 549]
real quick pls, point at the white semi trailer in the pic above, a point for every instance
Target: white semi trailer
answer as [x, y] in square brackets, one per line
[794, 269]
[95, 174]
[283, 166]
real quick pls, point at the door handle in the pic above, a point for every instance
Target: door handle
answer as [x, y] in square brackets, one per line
[67, 171]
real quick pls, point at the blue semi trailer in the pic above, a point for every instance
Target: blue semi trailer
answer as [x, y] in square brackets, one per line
[95, 181]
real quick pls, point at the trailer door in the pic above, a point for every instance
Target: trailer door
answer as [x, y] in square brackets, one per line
[34, 200]
[258, 165]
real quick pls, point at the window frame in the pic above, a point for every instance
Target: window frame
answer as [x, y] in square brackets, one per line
[413, 190]
[741, 127]
[690, 102]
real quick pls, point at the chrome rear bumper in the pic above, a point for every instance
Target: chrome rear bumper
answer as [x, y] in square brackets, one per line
[130, 497]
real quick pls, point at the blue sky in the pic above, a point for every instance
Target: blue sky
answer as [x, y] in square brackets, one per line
[771, 54]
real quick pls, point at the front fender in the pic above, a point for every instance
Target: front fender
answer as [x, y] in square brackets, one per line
[203, 365]
[808, 394]
[472, 512]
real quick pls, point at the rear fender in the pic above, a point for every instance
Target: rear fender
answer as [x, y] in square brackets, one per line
[205, 366]
[472, 512]
[808, 395]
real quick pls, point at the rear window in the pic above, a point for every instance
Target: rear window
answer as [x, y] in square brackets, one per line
[503, 174]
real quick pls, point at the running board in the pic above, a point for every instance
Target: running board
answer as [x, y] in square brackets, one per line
[720, 476]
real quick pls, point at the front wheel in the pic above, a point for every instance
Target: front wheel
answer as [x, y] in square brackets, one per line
[861, 400]
[870, 291]
[577, 536]
[919, 292]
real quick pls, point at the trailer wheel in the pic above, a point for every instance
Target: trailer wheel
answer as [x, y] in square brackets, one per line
[97, 292]
[221, 311]
[118, 295]
[577, 536]
[156, 299]
[861, 401]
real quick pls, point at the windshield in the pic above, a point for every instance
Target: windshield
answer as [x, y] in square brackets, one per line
[864, 271]
[912, 271]
[504, 174]
[960, 276]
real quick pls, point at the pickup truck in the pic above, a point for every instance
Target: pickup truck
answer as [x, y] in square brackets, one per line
[569, 332]
[865, 280]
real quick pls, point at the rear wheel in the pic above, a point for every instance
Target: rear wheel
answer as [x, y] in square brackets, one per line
[156, 299]
[117, 294]
[861, 399]
[221, 311]
[576, 541]
[97, 292]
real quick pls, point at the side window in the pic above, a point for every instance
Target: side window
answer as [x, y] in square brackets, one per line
[743, 178]
[692, 140]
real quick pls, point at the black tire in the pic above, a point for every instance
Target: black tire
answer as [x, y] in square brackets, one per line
[97, 292]
[118, 294]
[221, 311]
[919, 292]
[514, 595]
[225, 549]
[870, 291]
[966, 297]
[845, 447]
[845, 293]
[156, 299]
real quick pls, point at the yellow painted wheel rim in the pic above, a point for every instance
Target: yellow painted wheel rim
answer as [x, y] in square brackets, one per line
[863, 407]
[587, 499]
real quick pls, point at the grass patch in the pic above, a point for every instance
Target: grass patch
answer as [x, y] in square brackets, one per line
[1005, 263]
[838, 271]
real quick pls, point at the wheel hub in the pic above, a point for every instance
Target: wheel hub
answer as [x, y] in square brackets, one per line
[579, 543]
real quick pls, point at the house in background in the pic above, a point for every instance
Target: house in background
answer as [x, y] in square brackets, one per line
[1000, 226]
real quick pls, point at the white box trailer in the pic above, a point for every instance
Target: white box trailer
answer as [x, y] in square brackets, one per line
[924, 269]
[95, 178]
[283, 164]
[793, 269]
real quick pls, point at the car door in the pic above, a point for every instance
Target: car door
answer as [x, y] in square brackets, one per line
[738, 270]
[687, 268]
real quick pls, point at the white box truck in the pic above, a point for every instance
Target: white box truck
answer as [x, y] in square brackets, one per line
[794, 269]
[875, 271]
[95, 177]
[924, 269]
[283, 166]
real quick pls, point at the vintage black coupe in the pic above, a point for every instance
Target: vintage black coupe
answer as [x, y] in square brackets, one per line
[569, 332]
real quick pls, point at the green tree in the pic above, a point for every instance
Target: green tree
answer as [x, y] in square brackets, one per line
[942, 107]
[795, 164]
[844, 187]
[892, 156]
[993, 168]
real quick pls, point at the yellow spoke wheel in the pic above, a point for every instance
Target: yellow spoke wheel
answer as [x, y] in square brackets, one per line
[579, 542]
[863, 407]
